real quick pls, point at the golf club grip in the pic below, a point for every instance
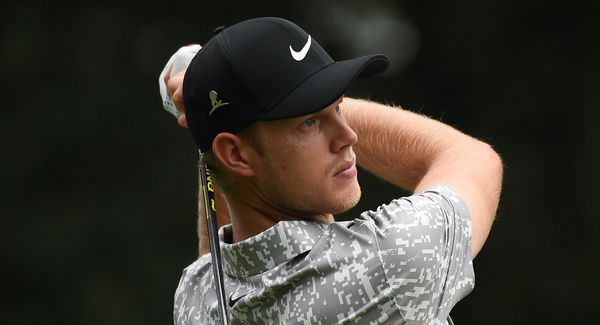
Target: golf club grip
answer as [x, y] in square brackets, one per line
[209, 207]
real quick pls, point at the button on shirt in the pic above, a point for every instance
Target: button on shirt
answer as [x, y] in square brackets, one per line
[408, 262]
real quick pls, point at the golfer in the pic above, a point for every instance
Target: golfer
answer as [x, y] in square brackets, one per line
[266, 105]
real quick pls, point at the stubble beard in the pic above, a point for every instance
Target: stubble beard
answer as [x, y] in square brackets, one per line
[323, 202]
[344, 202]
[307, 201]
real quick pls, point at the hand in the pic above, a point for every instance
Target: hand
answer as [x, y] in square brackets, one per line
[175, 91]
[170, 81]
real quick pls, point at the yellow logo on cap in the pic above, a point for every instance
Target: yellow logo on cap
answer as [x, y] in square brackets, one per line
[214, 101]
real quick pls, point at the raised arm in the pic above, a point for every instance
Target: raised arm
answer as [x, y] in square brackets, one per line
[415, 152]
[170, 87]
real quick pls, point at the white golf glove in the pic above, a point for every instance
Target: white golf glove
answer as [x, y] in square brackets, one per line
[178, 62]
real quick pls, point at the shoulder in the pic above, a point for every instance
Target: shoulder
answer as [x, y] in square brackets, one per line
[194, 273]
[426, 233]
[436, 207]
[426, 228]
[199, 267]
[190, 291]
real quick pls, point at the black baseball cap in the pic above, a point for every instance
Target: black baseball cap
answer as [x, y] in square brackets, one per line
[264, 69]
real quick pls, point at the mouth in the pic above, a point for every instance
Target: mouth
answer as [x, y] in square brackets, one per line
[347, 170]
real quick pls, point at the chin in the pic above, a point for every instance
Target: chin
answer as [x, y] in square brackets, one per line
[346, 201]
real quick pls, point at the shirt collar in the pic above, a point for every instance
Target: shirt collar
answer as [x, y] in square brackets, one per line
[274, 246]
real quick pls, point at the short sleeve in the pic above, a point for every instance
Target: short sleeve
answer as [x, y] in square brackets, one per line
[424, 242]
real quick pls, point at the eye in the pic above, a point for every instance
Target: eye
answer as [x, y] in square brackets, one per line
[309, 123]
[338, 110]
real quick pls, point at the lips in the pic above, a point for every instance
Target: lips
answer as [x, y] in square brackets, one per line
[348, 169]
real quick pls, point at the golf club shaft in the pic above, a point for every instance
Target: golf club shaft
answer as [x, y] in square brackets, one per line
[211, 214]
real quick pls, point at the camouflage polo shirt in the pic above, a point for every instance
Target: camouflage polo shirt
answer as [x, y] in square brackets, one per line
[408, 262]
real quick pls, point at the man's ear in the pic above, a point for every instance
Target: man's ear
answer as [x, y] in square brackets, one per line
[233, 153]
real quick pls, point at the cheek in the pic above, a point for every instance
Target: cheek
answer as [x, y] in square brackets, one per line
[298, 158]
[298, 167]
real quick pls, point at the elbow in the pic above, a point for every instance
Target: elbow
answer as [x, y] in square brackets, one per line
[492, 162]
[481, 159]
[490, 171]
[488, 185]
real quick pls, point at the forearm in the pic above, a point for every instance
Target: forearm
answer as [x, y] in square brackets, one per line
[398, 145]
[415, 152]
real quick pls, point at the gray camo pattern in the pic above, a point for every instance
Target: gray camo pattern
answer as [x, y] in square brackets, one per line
[408, 262]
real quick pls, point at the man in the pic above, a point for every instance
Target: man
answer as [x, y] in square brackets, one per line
[265, 103]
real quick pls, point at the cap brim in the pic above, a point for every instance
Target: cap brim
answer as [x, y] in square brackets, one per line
[326, 86]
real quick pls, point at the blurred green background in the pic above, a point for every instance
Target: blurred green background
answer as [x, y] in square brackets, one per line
[99, 184]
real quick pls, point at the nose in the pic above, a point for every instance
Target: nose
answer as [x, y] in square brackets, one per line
[344, 136]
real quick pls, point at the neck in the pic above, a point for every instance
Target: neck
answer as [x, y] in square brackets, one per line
[248, 220]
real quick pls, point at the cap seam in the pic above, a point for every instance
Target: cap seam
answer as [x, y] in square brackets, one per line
[233, 63]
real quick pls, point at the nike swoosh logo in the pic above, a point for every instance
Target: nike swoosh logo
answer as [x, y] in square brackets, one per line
[299, 56]
[233, 301]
